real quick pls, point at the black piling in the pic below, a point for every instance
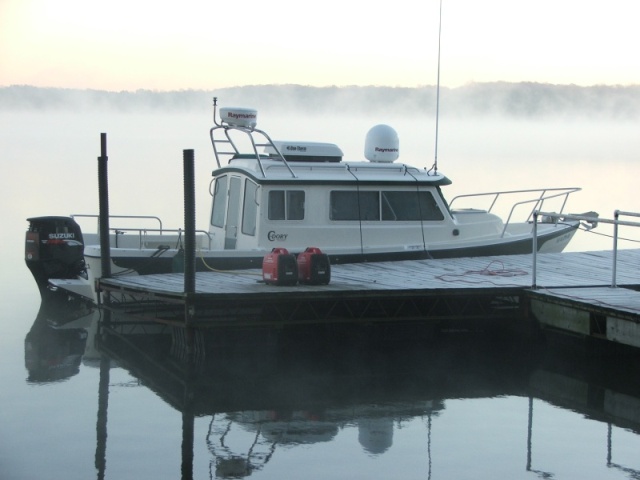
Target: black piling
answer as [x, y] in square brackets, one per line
[103, 193]
[189, 246]
[189, 224]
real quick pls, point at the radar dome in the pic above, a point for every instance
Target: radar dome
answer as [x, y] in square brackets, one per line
[239, 117]
[381, 144]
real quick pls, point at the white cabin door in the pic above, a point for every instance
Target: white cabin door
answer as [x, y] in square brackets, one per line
[233, 214]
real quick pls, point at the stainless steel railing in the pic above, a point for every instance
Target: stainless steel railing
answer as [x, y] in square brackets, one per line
[543, 194]
[615, 222]
[142, 232]
[126, 217]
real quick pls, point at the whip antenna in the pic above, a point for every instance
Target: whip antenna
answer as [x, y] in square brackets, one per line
[435, 162]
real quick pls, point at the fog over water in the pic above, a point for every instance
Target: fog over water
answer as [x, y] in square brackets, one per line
[522, 100]
[501, 146]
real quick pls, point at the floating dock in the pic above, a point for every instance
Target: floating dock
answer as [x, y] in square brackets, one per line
[570, 291]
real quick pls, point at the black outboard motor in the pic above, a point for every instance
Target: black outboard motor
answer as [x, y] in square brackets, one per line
[54, 249]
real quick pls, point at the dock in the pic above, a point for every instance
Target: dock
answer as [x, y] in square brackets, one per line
[572, 292]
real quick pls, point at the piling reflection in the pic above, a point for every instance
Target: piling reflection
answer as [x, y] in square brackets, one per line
[264, 390]
[596, 379]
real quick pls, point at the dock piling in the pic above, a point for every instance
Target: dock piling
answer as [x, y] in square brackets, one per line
[189, 223]
[190, 246]
[103, 199]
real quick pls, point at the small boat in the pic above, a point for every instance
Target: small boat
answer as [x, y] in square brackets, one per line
[295, 195]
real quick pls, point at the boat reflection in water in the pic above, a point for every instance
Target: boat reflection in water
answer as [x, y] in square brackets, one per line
[268, 390]
[55, 345]
[255, 435]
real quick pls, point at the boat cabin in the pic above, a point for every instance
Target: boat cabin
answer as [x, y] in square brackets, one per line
[300, 194]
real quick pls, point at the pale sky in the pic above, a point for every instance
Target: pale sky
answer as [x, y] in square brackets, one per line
[207, 44]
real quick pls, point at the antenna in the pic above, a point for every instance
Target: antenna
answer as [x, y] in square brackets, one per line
[435, 162]
[215, 108]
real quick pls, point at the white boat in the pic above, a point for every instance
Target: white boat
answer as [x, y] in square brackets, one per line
[294, 195]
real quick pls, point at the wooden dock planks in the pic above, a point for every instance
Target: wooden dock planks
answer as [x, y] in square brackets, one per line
[619, 301]
[556, 270]
[464, 289]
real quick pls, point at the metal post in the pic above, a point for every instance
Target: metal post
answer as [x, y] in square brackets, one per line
[616, 214]
[103, 194]
[534, 243]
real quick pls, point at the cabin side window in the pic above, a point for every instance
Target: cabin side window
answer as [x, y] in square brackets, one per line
[219, 201]
[286, 205]
[250, 208]
[354, 205]
[384, 205]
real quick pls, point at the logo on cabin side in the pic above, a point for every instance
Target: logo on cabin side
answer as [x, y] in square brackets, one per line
[277, 237]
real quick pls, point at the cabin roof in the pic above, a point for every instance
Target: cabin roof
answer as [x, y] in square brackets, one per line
[340, 173]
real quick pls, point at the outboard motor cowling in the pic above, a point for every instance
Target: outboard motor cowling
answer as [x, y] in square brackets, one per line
[54, 248]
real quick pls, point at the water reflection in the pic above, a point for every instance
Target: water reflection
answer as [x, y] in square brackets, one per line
[241, 442]
[53, 350]
[266, 391]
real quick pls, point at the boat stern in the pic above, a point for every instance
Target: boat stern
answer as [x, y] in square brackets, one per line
[54, 248]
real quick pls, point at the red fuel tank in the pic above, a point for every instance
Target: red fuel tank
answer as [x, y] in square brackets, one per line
[314, 267]
[280, 268]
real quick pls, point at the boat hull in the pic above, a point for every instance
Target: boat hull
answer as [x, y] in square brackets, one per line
[137, 261]
[553, 240]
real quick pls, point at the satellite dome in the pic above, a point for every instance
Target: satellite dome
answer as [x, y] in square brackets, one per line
[381, 144]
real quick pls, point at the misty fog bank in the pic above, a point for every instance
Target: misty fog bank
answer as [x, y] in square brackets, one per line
[520, 100]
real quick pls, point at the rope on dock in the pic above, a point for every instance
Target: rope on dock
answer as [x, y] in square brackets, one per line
[487, 271]
[232, 272]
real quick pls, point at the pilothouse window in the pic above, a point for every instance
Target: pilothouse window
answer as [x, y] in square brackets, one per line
[250, 208]
[219, 201]
[429, 207]
[286, 205]
[407, 206]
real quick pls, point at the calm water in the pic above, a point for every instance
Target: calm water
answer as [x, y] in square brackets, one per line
[338, 403]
